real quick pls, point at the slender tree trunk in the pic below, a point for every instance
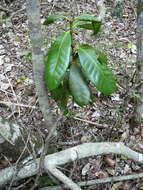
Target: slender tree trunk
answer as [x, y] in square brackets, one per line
[36, 37]
[138, 114]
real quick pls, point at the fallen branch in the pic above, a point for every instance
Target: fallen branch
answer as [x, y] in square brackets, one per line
[101, 181]
[51, 162]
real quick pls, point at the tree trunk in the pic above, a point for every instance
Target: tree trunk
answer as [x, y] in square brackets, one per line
[138, 114]
[36, 37]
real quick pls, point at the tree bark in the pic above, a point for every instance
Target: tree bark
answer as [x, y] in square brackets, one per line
[36, 37]
[138, 114]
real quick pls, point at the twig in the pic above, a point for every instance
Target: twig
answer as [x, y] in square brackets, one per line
[23, 184]
[16, 164]
[5, 9]
[14, 94]
[52, 6]
[90, 122]
[112, 179]
[69, 143]
[17, 12]
[17, 104]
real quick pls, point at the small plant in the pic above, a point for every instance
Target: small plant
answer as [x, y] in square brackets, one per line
[70, 70]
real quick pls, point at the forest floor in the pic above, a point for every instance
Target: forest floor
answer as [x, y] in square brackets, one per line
[107, 119]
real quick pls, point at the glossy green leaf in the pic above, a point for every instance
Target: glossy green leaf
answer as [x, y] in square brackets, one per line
[78, 86]
[86, 17]
[83, 24]
[101, 56]
[65, 96]
[95, 26]
[53, 18]
[61, 94]
[99, 74]
[77, 23]
[89, 25]
[57, 60]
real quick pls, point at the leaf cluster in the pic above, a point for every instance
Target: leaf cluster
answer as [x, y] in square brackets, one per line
[70, 71]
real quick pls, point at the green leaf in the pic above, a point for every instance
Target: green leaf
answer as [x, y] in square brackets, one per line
[53, 18]
[65, 93]
[91, 24]
[57, 93]
[95, 26]
[101, 56]
[78, 86]
[61, 94]
[77, 23]
[86, 17]
[99, 74]
[63, 103]
[57, 60]
[87, 26]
